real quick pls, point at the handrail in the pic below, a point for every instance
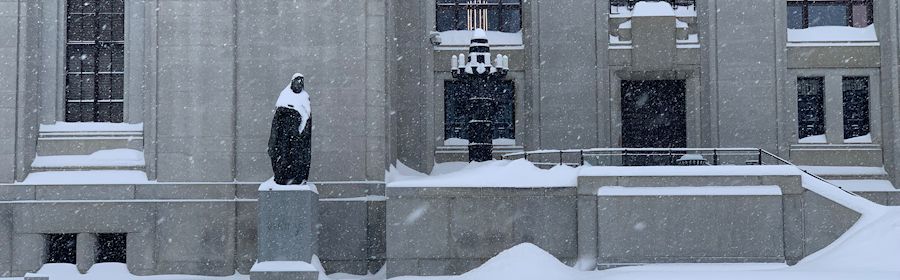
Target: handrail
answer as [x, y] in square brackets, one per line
[715, 153]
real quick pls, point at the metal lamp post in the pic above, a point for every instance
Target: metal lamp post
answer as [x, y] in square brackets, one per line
[482, 81]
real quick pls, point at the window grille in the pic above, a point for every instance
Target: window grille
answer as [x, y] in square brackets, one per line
[95, 60]
[495, 15]
[457, 116]
[856, 106]
[811, 106]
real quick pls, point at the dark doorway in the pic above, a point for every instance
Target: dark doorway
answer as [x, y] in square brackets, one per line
[61, 248]
[653, 116]
[111, 247]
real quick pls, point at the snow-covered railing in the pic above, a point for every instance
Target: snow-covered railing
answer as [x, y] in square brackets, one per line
[655, 157]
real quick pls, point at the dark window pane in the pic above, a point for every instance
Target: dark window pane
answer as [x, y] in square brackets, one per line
[61, 248]
[456, 110]
[795, 15]
[505, 119]
[856, 106]
[828, 14]
[501, 15]
[811, 106]
[81, 6]
[111, 58]
[446, 18]
[456, 116]
[95, 60]
[111, 247]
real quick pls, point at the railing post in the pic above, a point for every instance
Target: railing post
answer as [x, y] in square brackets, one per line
[560, 157]
[581, 156]
[759, 157]
[715, 157]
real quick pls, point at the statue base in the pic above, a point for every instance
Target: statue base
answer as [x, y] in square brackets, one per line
[283, 270]
[286, 231]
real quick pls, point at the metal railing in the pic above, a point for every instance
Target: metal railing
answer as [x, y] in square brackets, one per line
[655, 157]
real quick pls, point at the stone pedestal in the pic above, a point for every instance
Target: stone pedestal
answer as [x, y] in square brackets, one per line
[287, 232]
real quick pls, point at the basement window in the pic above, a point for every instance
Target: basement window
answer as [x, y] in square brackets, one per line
[111, 248]
[61, 248]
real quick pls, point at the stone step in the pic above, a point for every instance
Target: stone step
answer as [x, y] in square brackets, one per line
[87, 138]
[115, 159]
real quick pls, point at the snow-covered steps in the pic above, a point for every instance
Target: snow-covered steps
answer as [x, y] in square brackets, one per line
[847, 172]
[86, 138]
[115, 159]
[92, 177]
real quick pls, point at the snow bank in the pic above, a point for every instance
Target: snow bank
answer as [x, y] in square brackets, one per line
[102, 158]
[495, 38]
[872, 244]
[499, 173]
[522, 262]
[113, 271]
[833, 34]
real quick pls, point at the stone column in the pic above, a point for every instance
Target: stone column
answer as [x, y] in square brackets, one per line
[85, 251]
[286, 233]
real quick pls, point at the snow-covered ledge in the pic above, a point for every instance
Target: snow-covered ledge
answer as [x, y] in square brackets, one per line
[829, 36]
[63, 127]
[456, 39]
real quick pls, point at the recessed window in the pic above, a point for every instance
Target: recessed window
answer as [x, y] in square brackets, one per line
[111, 247]
[856, 107]
[811, 13]
[456, 112]
[61, 248]
[811, 107]
[95, 60]
[494, 15]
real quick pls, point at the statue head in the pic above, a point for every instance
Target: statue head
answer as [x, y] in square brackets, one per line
[297, 83]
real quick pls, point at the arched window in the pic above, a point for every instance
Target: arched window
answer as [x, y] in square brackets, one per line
[494, 15]
[95, 60]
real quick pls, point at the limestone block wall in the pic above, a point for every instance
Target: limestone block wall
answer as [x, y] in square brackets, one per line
[182, 229]
[441, 231]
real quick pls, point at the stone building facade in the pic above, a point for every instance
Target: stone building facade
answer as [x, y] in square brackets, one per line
[191, 85]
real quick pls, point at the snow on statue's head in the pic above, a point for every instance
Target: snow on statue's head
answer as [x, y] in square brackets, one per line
[297, 83]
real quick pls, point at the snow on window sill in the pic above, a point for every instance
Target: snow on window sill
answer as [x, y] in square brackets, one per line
[865, 139]
[91, 127]
[814, 139]
[831, 36]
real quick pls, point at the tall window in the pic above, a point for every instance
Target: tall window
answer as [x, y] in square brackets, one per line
[456, 112]
[60, 248]
[811, 106]
[810, 13]
[496, 15]
[95, 64]
[856, 106]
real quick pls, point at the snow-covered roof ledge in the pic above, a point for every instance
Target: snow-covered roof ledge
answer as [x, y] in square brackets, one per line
[828, 36]
[462, 38]
[652, 9]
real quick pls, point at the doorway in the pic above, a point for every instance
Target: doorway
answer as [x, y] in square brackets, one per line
[653, 116]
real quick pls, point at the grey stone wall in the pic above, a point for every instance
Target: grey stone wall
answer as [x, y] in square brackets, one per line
[9, 31]
[441, 231]
[196, 93]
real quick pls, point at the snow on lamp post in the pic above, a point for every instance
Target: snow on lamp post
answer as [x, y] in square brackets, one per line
[482, 82]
